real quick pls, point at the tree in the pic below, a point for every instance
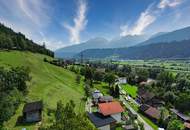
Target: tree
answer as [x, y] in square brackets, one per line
[183, 102]
[166, 79]
[175, 125]
[169, 97]
[78, 78]
[68, 119]
[110, 78]
[89, 74]
[98, 76]
[87, 89]
[142, 74]
[116, 91]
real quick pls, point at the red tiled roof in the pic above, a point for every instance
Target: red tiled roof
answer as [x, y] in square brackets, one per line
[187, 125]
[110, 108]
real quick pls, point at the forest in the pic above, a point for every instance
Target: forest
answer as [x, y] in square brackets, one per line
[13, 87]
[10, 40]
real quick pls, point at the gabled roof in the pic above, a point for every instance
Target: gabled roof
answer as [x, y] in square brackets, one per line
[153, 112]
[106, 99]
[110, 108]
[150, 111]
[181, 115]
[187, 125]
[33, 106]
[100, 120]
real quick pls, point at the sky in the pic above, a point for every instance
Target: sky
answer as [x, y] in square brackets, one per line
[61, 23]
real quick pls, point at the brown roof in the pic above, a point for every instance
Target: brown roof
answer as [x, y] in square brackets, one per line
[129, 127]
[33, 106]
[106, 99]
[153, 112]
[110, 108]
[181, 115]
[187, 125]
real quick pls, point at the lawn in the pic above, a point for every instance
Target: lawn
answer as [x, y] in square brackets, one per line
[49, 83]
[131, 90]
[154, 126]
[102, 86]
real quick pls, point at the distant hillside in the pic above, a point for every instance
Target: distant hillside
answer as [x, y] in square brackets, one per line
[17, 41]
[98, 43]
[49, 83]
[127, 41]
[177, 35]
[74, 49]
[161, 50]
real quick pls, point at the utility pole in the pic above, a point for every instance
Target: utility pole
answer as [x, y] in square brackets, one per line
[81, 58]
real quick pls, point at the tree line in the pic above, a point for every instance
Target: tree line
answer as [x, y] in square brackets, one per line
[10, 40]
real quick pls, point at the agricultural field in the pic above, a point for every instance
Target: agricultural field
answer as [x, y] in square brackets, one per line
[49, 83]
[172, 65]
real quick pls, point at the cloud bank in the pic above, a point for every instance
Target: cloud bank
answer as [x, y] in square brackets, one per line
[80, 22]
[148, 17]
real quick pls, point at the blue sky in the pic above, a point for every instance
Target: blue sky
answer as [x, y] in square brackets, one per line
[60, 23]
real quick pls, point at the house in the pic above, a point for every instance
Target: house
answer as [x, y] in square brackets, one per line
[129, 127]
[144, 95]
[101, 122]
[187, 126]
[122, 80]
[148, 82]
[155, 102]
[102, 70]
[32, 112]
[113, 109]
[96, 95]
[150, 111]
[182, 116]
[104, 99]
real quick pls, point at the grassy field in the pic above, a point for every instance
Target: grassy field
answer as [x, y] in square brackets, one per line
[170, 65]
[49, 83]
[131, 90]
[103, 87]
[154, 126]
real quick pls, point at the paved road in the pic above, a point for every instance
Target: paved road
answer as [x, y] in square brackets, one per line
[146, 125]
[88, 105]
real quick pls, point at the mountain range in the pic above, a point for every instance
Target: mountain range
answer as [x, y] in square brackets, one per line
[99, 43]
[133, 47]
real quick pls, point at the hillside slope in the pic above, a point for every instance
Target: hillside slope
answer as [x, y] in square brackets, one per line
[177, 35]
[49, 83]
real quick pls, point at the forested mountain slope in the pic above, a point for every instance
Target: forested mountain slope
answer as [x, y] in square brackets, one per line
[161, 50]
[17, 41]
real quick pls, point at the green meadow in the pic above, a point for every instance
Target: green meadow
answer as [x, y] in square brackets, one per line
[49, 83]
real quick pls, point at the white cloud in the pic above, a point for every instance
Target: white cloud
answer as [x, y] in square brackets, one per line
[35, 10]
[79, 22]
[50, 43]
[168, 3]
[146, 18]
[28, 17]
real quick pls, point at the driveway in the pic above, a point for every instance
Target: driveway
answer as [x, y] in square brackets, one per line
[146, 125]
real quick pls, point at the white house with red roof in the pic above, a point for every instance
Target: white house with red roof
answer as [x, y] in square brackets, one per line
[113, 109]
